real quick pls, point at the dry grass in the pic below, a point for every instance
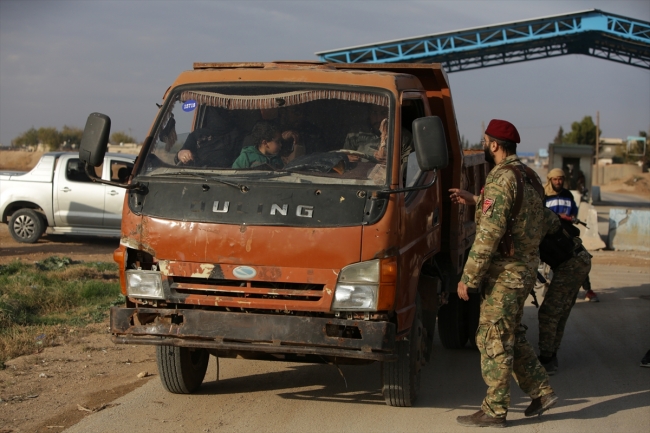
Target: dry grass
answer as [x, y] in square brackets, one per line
[19, 160]
[43, 304]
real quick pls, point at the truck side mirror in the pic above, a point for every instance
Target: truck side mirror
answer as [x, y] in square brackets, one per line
[430, 143]
[94, 140]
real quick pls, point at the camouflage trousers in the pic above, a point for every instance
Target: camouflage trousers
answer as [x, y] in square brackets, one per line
[559, 300]
[501, 339]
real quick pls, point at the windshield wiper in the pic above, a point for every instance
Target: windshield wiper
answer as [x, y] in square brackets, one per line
[266, 174]
[239, 186]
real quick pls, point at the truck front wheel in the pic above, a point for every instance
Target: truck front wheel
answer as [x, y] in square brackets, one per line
[26, 226]
[401, 379]
[181, 369]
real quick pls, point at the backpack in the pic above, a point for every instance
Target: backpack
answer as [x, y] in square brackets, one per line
[556, 248]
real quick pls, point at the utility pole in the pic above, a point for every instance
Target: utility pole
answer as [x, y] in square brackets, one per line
[597, 146]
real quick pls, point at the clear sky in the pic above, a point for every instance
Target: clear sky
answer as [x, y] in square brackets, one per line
[61, 60]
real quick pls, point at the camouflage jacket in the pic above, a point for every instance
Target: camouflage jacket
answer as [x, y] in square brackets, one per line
[550, 222]
[492, 212]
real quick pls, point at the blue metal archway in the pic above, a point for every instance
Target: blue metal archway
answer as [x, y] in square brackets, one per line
[593, 32]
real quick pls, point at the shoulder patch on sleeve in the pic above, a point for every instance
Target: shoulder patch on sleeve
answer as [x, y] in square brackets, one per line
[487, 205]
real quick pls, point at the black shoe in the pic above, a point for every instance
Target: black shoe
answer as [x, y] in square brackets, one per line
[480, 419]
[645, 362]
[541, 404]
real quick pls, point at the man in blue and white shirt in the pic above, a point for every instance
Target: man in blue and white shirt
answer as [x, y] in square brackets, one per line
[561, 201]
[557, 198]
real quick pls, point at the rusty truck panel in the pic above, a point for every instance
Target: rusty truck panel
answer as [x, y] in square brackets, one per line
[234, 244]
[240, 332]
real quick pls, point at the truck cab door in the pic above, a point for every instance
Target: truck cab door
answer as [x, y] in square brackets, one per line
[118, 171]
[78, 201]
[419, 211]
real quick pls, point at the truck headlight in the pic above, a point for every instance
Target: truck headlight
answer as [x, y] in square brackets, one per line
[357, 288]
[144, 284]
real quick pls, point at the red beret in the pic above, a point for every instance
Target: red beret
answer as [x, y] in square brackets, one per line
[503, 130]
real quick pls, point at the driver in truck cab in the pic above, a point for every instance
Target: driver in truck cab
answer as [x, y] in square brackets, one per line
[216, 144]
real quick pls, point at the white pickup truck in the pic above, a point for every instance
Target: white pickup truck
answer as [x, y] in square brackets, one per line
[58, 195]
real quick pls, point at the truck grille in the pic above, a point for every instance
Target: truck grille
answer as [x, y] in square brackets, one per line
[220, 288]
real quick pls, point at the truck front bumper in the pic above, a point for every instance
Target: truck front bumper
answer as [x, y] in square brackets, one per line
[255, 333]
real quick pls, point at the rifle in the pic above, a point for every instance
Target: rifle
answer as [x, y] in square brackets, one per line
[542, 280]
[573, 220]
[577, 221]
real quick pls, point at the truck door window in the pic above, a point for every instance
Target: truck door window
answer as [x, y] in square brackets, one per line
[411, 109]
[75, 171]
[316, 135]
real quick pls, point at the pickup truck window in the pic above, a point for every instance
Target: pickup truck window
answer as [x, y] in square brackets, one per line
[315, 135]
[75, 171]
[120, 171]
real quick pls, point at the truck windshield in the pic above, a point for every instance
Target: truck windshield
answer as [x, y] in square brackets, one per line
[316, 135]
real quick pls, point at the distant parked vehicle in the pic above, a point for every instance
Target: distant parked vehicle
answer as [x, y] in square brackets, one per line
[58, 194]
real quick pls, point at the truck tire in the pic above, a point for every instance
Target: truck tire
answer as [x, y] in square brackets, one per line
[401, 379]
[473, 313]
[181, 369]
[26, 226]
[452, 323]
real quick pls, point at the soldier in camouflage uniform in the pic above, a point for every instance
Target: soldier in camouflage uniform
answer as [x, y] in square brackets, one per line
[561, 295]
[506, 279]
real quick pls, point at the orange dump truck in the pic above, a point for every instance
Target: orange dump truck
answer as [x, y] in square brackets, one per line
[296, 211]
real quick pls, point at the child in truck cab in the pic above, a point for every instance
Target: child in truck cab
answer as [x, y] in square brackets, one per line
[267, 144]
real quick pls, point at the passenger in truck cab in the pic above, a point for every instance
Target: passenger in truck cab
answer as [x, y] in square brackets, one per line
[266, 145]
[216, 144]
[293, 119]
[370, 138]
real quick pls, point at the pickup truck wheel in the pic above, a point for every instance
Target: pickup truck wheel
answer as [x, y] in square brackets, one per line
[401, 379]
[26, 226]
[181, 369]
[452, 323]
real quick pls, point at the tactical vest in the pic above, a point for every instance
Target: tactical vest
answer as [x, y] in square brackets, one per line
[555, 248]
[507, 244]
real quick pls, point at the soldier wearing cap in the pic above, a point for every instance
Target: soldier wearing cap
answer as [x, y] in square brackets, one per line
[505, 277]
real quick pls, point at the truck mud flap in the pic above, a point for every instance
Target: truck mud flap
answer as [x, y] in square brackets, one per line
[256, 333]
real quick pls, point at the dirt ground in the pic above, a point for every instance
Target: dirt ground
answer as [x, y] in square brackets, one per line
[53, 389]
[637, 184]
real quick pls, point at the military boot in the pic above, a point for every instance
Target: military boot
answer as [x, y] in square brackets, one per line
[481, 419]
[541, 404]
[549, 363]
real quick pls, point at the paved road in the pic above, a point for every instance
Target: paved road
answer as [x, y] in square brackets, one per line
[600, 384]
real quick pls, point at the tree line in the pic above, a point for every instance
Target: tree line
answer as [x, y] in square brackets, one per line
[69, 137]
[583, 132]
